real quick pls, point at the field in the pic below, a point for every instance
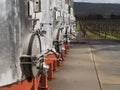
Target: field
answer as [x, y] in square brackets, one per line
[106, 29]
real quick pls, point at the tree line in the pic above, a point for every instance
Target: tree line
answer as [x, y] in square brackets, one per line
[96, 17]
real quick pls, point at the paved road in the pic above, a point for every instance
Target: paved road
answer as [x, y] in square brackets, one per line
[86, 70]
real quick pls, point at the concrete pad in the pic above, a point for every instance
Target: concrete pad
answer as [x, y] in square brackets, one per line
[78, 72]
[107, 58]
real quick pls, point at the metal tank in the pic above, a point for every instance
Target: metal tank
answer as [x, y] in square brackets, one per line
[16, 40]
[29, 28]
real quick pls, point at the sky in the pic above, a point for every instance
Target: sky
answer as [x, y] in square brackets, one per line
[99, 1]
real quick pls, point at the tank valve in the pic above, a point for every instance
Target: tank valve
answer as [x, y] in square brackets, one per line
[60, 59]
[63, 49]
[45, 67]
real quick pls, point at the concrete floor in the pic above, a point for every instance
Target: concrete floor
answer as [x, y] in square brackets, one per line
[78, 72]
[107, 58]
[83, 70]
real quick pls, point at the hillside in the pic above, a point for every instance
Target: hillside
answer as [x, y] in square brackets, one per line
[96, 8]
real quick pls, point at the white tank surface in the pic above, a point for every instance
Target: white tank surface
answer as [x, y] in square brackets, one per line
[13, 31]
[31, 27]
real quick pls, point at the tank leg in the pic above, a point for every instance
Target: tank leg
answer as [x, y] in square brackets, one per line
[66, 48]
[55, 65]
[44, 83]
[54, 60]
[36, 82]
[59, 63]
[50, 71]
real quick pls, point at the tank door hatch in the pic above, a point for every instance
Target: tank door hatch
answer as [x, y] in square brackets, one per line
[37, 6]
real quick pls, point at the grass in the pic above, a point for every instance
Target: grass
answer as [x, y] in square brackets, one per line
[92, 35]
[110, 37]
[78, 26]
[95, 36]
[113, 38]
